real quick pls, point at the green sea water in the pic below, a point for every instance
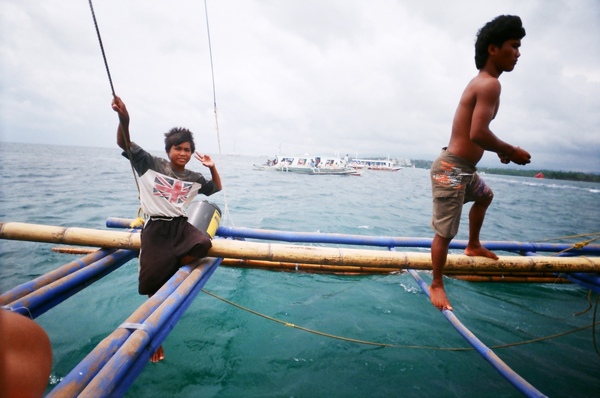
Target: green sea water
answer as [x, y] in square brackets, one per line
[217, 350]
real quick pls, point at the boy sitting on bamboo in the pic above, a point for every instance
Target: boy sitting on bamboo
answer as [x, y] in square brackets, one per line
[166, 188]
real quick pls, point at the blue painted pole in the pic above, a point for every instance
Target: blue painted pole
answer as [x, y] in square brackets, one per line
[517, 381]
[309, 237]
[380, 241]
[41, 300]
[52, 276]
[588, 281]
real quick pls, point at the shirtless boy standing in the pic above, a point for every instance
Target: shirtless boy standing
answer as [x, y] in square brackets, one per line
[454, 176]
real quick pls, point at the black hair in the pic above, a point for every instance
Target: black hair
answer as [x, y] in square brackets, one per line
[497, 31]
[177, 136]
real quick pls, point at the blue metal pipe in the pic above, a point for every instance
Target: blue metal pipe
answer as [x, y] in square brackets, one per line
[36, 303]
[310, 237]
[588, 281]
[593, 279]
[116, 222]
[380, 241]
[52, 276]
[517, 381]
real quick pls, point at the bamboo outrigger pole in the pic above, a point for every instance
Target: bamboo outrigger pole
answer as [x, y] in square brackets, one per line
[304, 254]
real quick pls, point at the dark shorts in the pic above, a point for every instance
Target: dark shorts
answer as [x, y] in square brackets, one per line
[164, 244]
[454, 182]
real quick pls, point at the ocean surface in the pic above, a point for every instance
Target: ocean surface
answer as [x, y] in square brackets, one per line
[217, 350]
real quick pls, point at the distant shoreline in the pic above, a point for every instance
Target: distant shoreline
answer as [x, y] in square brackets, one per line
[548, 174]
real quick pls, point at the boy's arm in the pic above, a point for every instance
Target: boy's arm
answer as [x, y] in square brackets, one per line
[123, 140]
[216, 179]
[486, 106]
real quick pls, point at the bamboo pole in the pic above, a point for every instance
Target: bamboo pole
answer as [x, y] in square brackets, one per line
[303, 267]
[480, 276]
[384, 241]
[74, 250]
[226, 248]
[70, 235]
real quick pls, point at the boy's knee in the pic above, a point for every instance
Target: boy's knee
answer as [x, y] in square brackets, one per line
[201, 249]
[490, 198]
[487, 200]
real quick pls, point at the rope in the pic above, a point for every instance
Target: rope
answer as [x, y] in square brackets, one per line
[578, 245]
[572, 236]
[17, 309]
[226, 215]
[127, 150]
[536, 340]
[102, 49]
[589, 300]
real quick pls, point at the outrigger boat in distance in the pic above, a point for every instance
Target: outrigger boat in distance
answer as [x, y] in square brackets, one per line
[306, 164]
[374, 164]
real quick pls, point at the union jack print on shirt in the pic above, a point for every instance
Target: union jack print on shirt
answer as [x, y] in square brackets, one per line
[173, 190]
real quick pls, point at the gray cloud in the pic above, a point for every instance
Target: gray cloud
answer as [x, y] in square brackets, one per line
[368, 78]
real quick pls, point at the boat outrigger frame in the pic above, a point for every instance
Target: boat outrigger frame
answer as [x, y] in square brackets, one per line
[111, 368]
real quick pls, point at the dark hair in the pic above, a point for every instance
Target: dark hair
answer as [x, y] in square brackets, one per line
[497, 31]
[177, 136]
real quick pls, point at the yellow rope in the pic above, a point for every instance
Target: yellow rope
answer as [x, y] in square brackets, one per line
[388, 344]
[139, 221]
[578, 245]
[571, 237]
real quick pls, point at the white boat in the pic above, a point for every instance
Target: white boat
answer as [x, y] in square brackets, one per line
[374, 164]
[306, 164]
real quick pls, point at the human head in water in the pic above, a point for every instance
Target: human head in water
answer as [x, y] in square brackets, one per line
[496, 32]
[177, 136]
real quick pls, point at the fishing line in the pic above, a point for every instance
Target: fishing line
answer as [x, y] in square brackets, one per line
[17, 309]
[139, 220]
[227, 215]
[572, 236]
[102, 48]
[351, 340]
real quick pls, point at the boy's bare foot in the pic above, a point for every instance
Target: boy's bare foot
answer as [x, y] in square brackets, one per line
[158, 356]
[480, 251]
[438, 298]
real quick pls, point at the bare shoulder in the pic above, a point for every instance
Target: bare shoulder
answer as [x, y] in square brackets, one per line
[484, 84]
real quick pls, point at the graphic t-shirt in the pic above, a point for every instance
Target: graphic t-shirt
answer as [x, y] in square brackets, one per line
[165, 192]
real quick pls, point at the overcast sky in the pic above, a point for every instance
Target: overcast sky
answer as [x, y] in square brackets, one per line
[376, 77]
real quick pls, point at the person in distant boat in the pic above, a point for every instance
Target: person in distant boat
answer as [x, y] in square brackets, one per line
[454, 176]
[25, 356]
[166, 188]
